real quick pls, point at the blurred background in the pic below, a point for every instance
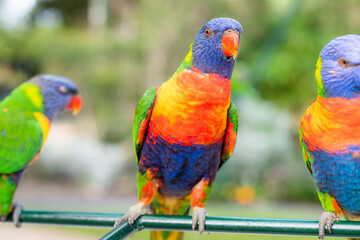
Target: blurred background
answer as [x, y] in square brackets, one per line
[116, 49]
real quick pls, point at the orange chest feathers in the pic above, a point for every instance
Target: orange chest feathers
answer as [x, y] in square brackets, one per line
[332, 124]
[191, 108]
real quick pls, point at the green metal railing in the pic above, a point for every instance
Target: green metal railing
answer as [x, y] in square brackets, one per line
[68, 218]
[183, 223]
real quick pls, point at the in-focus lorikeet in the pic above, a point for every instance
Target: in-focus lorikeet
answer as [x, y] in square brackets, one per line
[185, 130]
[330, 131]
[25, 118]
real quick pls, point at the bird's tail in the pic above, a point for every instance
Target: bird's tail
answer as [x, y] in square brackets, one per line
[8, 184]
[169, 206]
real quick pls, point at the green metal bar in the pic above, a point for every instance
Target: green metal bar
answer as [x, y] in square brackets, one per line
[68, 218]
[235, 225]
[183, 223]
[124, 231]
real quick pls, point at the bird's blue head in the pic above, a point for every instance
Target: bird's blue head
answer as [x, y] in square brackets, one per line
[59, 93]
[216, 45]
[338, 68]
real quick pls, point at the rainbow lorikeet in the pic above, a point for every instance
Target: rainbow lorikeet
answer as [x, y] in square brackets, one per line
[25, 118]
[330, 131]
[185, 130]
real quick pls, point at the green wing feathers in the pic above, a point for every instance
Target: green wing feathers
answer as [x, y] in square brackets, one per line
[308, 158]
[142, 118]
[21, 136]
[230, 134]
[21, 139]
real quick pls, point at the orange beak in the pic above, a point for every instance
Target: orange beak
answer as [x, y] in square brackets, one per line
[230, 43]
[75, 104]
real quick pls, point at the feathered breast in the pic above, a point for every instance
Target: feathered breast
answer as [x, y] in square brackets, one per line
[191, 108]
[332, 124]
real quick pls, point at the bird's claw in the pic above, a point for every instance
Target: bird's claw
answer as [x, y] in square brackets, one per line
[327, 219]
[133, 213]
[17, 208]
[198, 216]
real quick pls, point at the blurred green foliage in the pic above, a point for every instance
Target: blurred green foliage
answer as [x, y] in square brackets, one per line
[143, 42]
[73, 12]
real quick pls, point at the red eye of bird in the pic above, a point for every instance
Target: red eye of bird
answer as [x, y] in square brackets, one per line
[344, 62]
[63, 90]
[207, 32]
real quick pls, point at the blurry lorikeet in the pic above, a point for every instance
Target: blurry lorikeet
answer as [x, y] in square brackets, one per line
[25, 118]
[330, 131]
[185, 130]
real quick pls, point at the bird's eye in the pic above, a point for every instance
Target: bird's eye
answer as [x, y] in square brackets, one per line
[343, 62]
[63, 90]
[207, 32]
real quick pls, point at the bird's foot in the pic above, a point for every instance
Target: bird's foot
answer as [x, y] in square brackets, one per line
[133, 213]
[198, 216]
[16, 212]
[327, 219]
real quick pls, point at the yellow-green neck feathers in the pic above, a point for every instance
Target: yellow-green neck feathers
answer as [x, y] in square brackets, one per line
[319, 82]
[26, 96]
[186, 64]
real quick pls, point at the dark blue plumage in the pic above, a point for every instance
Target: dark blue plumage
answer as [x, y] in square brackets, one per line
[15, 177]
[338, 174]
[179, 167]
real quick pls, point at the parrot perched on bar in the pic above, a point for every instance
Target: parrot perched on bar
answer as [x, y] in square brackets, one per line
[185, 130]
[25, 118]
[330, 131]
